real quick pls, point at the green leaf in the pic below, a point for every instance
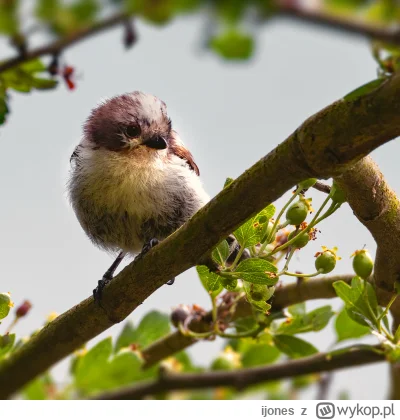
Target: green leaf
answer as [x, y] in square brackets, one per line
[297, 310]
[261, 306]
[294, 347]
[315, 320]
[233, 45]
[84, 11]
[228, 182]
[9, 22]
[259, 354]
[256, 270]
[346, 328]
[364, 89]
[252, 231]
[221, 253]
[43, 84]
[358, 307]
[88, 367]
[397, 335]
[153, 326]
[211, 281]
[36, 389]
[127, 336]
[47, 9]
[4, 110]
[245, 324]
[33, 66]
[6, 344]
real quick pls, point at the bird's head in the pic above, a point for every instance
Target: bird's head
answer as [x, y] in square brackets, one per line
[129, 121]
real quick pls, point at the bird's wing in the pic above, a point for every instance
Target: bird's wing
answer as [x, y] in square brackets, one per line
[177, 147]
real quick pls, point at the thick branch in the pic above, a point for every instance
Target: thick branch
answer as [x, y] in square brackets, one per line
[241, 379]
[318, 288]
[351, 24]
[377, 207]
[61, 44]
[322, 147]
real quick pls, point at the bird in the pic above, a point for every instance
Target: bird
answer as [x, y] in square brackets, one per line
[132, 182]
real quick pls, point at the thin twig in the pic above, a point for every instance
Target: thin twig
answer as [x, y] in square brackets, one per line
[243, 378]
[61, 44]
[350, 24]
[290, 294]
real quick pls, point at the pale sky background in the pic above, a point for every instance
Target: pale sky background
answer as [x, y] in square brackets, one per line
[229, 115]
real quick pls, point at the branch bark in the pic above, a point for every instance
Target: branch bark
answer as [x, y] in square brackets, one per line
[377, 207]
[324, 146]
[242, 378]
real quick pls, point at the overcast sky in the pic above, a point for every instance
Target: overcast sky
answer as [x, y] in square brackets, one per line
[229, 115]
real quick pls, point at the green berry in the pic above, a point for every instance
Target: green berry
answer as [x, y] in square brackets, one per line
[5, 304]
[363, 263]
[325, 262]
[301, 241]
[297, 212]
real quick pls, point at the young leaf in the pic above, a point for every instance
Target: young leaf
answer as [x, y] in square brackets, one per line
[211, 281]
[298, 309]
[315, 320]
[259, 354]
[37, 389]
[256, 270]
[346, 328]
[221, 253]
[357, 307]
[364, 89]
[6, 344]
[153, 326]
[127, 336]
[97, 355]
[294, 347]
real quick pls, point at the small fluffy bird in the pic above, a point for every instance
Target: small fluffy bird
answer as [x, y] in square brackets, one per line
[133, 182]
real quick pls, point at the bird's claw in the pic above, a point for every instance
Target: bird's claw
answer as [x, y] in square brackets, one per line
[146, 248]
[98, 291]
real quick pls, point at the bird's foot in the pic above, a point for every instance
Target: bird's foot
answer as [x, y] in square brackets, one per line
[98, 291]
[146, 248]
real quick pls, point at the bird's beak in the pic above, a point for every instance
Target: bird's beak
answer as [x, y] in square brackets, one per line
[156, 142]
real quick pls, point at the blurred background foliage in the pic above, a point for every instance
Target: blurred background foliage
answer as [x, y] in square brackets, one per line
[231, 30]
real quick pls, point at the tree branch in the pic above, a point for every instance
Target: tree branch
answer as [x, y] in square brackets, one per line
[377, 207]
[351, 24]
[322, 147]
[290, 294]
[61, 44]
[243, 378]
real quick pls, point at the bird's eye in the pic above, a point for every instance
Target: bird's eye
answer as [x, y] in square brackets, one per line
[133, 131]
